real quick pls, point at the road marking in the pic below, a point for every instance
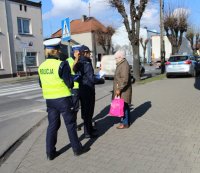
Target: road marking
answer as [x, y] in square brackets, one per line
[41, 100]
[8, 86]
[15, 92]
[32, 96]
[20, 88]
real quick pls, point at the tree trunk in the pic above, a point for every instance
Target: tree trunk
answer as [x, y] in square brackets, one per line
[136, 62]
[174, 49]
[144, 60]
[108, 50]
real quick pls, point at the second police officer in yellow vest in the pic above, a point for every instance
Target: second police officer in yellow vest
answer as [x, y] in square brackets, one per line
[75, 89]
[56, 83]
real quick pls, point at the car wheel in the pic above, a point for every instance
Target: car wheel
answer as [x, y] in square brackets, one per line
[133, 79]
[168, 76]
[142, 71]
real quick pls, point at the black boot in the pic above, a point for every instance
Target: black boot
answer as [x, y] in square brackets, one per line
[51, 156]
[81, 151]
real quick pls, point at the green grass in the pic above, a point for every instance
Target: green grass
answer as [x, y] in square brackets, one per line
[159, 77]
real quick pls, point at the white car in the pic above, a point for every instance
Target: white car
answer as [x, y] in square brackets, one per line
[180, 65]
[108, 66]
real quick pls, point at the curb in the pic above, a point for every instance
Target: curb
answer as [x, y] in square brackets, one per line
[19, 141]
[12, 163]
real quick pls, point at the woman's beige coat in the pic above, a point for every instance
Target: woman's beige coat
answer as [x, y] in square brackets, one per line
[122, 81]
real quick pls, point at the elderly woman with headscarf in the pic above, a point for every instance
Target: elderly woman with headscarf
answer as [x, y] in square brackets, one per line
[122, 86]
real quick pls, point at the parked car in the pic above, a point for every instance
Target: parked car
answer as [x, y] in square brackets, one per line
[181, 65]
[197, 58]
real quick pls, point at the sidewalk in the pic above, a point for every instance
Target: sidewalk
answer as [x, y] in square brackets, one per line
[163, 137]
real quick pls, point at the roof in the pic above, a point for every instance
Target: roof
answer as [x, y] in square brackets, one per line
[78, 26]
[35, 4]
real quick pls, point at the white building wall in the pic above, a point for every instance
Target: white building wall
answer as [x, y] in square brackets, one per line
[19, 41]
[36, 37]
[83, 38]
[4, 41]
[156, 48]
[89, 39]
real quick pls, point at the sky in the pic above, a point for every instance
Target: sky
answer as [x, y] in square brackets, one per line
[53, 11]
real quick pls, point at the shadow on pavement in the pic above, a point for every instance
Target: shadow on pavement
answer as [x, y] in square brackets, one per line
[139, 111]
[197, 83]
[104, 122]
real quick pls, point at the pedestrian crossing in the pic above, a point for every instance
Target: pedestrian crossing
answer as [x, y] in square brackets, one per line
[24, 91]
[32, 91]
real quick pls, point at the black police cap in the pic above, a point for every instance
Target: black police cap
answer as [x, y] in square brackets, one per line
[84, 49]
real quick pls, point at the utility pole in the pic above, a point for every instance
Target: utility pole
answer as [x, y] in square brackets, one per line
[89, 7]
[162, 46]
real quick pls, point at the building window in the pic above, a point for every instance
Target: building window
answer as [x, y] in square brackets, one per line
[25, 8]
[19, 61]
[20, 7]
[1, 62]
[31, 59]
[23, 26]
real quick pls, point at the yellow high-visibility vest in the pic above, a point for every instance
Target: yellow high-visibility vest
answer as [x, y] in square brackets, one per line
[52, 85]
[71, 63]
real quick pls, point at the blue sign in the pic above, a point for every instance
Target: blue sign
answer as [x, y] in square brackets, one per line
[66, 36]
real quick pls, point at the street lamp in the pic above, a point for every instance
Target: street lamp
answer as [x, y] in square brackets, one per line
[162, 46]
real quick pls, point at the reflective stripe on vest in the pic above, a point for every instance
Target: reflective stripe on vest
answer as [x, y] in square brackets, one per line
[52, 85]
[71, 63]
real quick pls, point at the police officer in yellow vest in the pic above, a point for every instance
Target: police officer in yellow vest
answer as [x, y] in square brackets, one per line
[75, 89]
[56, 81]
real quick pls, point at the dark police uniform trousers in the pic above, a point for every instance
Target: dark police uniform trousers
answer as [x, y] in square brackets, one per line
[75, 99]
[55, 107]
[87, 98]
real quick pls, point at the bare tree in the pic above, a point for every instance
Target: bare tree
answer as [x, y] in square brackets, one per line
[132, 26]
[104, 38]
[144, 46]
[193, 36]
[175, 24]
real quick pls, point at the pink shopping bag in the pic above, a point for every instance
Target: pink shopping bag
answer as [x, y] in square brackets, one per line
[117, 107]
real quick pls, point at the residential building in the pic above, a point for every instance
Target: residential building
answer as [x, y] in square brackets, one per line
[83, 32]
[185, 47]
[21, 39]
[155, 51]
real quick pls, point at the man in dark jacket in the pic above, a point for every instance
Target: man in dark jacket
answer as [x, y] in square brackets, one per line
[83, 65]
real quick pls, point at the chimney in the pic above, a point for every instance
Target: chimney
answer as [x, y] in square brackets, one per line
[84, 17]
